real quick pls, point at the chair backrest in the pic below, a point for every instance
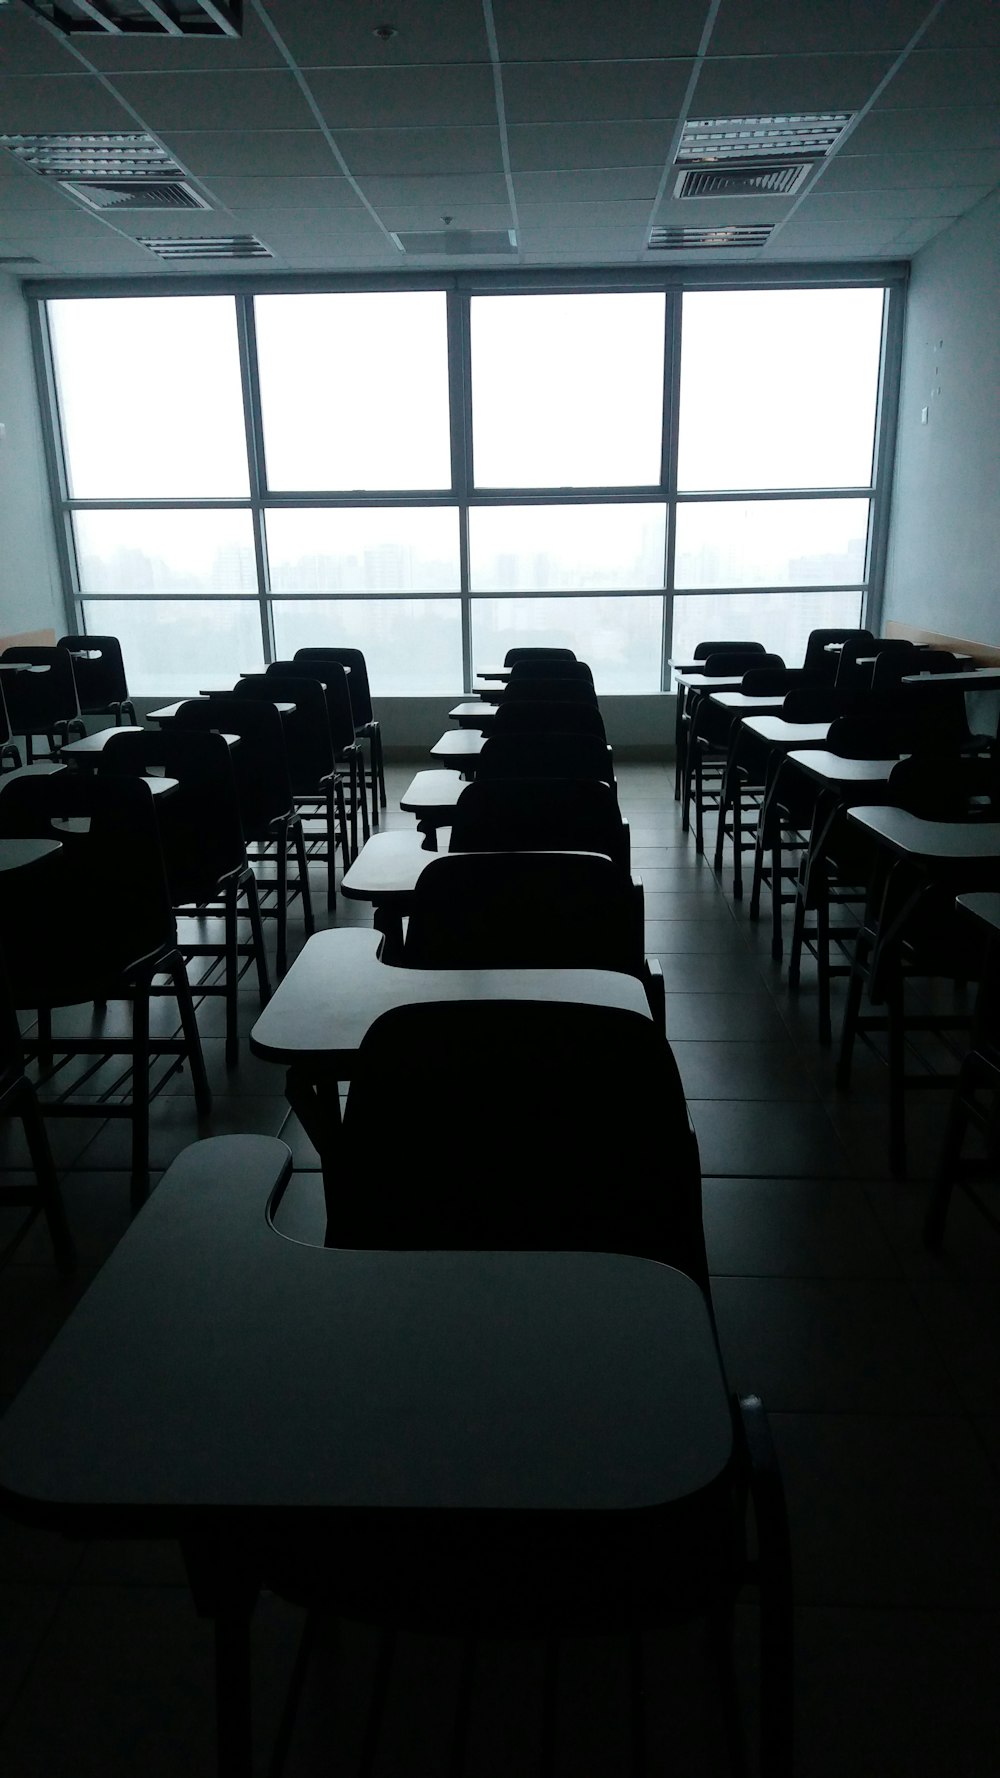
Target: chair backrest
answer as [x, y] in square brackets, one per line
[580, 1097]
[260, 762]
[35, 701]
[332, 677]
[107, 907]
[530, 716]
[547, 668]
[361, 697]
[540, 814]
[947, 786]
[525, 910]
[730, 663]
[814, 703]
[937, 660]
[308, 745]
[772, 682]
[874, 736]
[818, 660]
[200, 826]
[5, 729]
[545, 756]
[98, 669]
[704, 649]
[550, 691]
[514, 655]
[892, 660]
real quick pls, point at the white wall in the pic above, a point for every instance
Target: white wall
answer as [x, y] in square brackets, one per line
[30, 595]
[943, 570]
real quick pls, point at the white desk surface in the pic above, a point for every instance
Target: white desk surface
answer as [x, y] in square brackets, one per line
[946, 842]
[337, 988]
[779, 733]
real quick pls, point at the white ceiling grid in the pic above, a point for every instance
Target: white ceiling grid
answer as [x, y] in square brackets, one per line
[561, 120]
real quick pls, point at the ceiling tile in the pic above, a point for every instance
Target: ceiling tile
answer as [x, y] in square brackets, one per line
[722, 212]
[835, 238]
[216, 101]
[385, 152]
[565, 30]
[584, 92]
[892, 172]
[940, 131]
[59, 102]
[430, 217]
[945, 77]
[249, 152]
[855, 206]
[965, 24]
[917, 234]
[284, 193]
[568, 217]
[600, 184]
[541, 147]
[440, 191]
[822, 27]
[27, 47]
[746, 86]
[404, 98]
[338, 36]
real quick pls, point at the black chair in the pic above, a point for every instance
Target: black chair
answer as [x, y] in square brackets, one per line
[102, 930]
[514, 655]
[100, 676]
[910, 930]
[557, 755]
[708, 735]
[595, 1087]
[540, 814]
[975, 1103]
[366, 724]
[549, 691]
[744, 776]
[682, 718]
[18, 1099]
[347, 749]
[530, 910]
[703, 650]
[531, 716]
[819, 660]
[203, 851]
[44, 702]
[268, 815]
[544, 667]
[317, 787]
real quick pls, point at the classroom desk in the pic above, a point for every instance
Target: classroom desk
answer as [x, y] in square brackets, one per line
[840, 784]
[947, 849]
[87, 752]
[337, 987]
[744, 703]
[780, 738]
[431, 796]
[473, 713]
[689, 687]
[460, 749]
[228, 1387]
[23, 855]
[975, 679]
[500, 673]
[167, 712]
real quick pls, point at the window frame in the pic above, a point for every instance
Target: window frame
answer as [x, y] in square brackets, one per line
[459, 290]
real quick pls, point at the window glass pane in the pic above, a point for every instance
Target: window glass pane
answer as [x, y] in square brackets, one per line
[354, 390]
[150, 397]
[771, 543]
[782, 621]
[412, 647]
[620, 638]
[567, 391]
[150, 551]
[175, 648]
[538, 549]
[364, 550]
[778, 388]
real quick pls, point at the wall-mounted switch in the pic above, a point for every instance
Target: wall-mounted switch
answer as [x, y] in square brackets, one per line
[923, 416]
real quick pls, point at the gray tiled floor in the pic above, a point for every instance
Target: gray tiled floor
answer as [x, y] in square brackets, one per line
[878, 1361]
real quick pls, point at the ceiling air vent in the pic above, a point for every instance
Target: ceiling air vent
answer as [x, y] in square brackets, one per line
[189, 247]
[458, 242]
[142, 18]
[121, 154]
[777, 179]
[123, 195]
[679, 239]
[790, 136]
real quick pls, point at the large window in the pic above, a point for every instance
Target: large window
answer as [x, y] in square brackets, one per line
[437, 474]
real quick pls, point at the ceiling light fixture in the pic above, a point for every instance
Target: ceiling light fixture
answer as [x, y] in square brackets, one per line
[792, 135]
